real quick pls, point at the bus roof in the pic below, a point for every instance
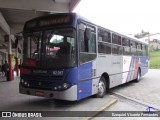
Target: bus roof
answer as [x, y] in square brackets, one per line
[123, 35]
[76, 17]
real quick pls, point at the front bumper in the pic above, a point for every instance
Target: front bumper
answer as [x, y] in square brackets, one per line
[69, 94]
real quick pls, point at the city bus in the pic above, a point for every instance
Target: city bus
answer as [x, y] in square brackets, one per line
[67, 57]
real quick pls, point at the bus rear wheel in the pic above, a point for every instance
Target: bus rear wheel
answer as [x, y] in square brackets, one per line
[138, 75]
[101, 87]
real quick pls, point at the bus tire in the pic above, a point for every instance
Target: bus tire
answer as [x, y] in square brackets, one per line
[138, 75]
[101, 87]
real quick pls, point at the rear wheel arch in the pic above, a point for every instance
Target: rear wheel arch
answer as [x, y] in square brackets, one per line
[106, 76]
[139, 70]
[138, 74]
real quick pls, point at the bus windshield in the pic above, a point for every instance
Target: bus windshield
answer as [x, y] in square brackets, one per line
[50, 48]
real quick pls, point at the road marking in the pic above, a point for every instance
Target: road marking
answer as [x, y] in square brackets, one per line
[104, 107]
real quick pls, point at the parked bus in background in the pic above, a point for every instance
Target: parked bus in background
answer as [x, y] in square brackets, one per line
[68, 57]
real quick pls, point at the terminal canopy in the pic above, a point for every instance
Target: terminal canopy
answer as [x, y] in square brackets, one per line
[14, 13]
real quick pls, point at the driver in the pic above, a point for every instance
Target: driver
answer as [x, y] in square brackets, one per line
[64, 46]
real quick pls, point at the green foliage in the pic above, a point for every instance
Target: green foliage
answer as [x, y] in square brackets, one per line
[155, 59]
[151, 47]
[141, 34]
[13, 60]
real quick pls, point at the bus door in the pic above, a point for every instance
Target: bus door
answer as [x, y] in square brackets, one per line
[87, 63]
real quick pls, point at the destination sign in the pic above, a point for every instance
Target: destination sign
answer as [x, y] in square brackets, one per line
[31, 25]
[53, 21]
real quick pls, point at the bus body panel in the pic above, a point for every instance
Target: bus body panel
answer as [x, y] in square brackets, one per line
[128, 64]
[88, 80]
[144, 65]
[134, 67]
[72, 75]
[111, 65]
[85, 80]
[104, 64]
[126, 67]
[116, 73]
[42, 82]
[95, 77]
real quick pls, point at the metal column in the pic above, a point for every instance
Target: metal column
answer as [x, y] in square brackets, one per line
[16, 59]
[10, 58]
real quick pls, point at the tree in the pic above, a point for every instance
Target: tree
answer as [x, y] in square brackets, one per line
[142, 34]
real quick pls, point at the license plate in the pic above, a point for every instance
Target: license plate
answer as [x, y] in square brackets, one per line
[39, 93]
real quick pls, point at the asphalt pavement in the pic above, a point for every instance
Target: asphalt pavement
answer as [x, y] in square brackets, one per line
[147, 92]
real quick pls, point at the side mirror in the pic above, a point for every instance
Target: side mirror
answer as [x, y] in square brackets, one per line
[87, 34]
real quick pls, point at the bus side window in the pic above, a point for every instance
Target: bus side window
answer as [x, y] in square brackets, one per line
[116, 39]
[126, 46]
[91, 42]
[81, 39]
[116, 44]
[146, 50]
[139, 49]
[104, 41]
[116, 49]
[133, 47]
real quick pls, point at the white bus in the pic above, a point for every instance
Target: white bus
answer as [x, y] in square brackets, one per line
[95, 60]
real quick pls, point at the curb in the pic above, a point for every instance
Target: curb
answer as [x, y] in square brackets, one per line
[102, 108]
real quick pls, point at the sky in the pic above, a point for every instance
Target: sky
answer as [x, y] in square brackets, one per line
[124, 16]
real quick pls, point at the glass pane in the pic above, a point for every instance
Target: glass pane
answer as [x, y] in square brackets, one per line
[104, 35]
[116, 39]
[126, 51]
[116, 49]
[104, 48]
[90, 54]
[52, 48]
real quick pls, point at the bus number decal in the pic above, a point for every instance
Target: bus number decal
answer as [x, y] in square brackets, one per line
[58, 73]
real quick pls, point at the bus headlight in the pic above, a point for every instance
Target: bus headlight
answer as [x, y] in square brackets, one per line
[25, 83]
[55, 88]
[65, 85]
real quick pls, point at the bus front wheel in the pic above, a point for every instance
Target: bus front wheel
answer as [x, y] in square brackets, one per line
[101, 87]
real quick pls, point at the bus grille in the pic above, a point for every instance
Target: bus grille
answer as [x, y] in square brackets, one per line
[43, 78]
[41, 85]
[42, 82]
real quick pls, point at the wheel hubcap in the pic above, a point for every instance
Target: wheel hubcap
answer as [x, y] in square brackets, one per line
[101, 88]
